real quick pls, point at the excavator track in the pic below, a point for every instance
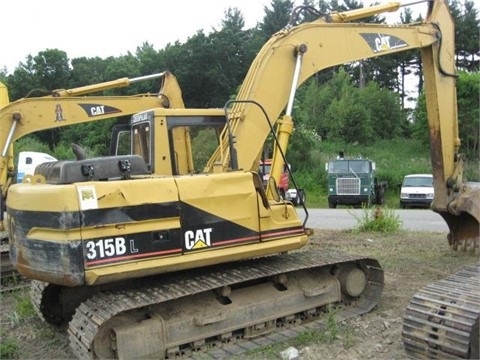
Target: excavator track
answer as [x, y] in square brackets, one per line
[6, 265]
[6, 268]
[442, 319]
[10, 277]
[224, 309]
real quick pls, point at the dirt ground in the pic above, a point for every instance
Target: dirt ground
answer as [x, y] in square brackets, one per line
[410, 260]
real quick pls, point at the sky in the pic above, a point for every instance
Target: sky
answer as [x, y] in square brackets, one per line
[105, 28]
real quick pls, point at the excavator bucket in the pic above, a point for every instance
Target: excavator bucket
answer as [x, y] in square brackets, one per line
[463, 218]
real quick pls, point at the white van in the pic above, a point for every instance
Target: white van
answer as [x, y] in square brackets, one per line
[28, 160]
[416, 191]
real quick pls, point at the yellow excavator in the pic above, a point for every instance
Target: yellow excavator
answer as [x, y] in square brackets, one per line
[65, 107]
[170, 250]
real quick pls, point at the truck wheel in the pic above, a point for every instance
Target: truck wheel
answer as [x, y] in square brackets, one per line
[381, 197]
[302, 197]
[332, 205]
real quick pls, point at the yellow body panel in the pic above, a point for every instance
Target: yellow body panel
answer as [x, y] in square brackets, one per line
[230, 196]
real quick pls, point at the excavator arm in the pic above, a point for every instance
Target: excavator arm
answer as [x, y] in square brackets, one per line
[296, 53]
[292, 56]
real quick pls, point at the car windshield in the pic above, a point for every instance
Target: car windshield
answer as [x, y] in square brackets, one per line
[418, 181]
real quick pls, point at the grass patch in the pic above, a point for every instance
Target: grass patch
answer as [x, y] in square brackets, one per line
[23, 306]
[8, 347]
[378, 219]
[327, 335]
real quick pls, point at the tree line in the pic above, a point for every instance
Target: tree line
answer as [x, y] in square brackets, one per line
[346, 103]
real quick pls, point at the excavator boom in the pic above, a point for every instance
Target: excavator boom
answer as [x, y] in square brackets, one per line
[299, 52]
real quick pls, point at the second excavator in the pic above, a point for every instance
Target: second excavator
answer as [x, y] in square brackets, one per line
[167, 251]
[67, 107]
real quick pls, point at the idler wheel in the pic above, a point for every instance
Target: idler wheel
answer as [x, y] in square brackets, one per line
[352, 280]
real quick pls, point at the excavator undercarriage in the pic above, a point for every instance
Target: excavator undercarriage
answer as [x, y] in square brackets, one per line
[205, 310]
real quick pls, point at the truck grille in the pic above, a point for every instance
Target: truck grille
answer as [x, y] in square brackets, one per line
[417, 196]
[348, 186]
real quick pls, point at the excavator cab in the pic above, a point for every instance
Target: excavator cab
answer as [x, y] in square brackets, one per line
[186, 138]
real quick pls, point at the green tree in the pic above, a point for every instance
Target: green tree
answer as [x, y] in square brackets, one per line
[276, 17]
[192, 62]
[123, 66]
[149, 59]
[23, 82]
[94, 137]
[52, 69]
[301, 142]
[339, 110]
[230, 69]
[419, 121]
[334, 112]
[349, 120]
[3, 75]
[467, 37]
[468, 93]
[385, 124]
[87, 71]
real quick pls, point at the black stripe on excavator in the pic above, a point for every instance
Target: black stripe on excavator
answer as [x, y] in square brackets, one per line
[98, 217]
[52, 262]
[66, 220]
[128, 247]
[203, 229]
[199, 230]
[49, 261]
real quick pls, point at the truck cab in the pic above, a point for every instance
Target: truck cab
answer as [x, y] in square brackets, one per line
[28, 160]
[353, 182]
[286, 192]
[283, 184]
